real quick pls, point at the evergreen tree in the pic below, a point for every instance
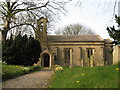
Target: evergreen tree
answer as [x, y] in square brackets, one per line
[33, 49]
[115, 33]
[21, 51]
[7, 49]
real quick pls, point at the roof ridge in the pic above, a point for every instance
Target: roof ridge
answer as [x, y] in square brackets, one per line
[75, 38]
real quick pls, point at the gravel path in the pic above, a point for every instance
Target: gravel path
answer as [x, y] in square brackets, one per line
[40, 79]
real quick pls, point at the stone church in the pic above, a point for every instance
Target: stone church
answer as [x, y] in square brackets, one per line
[72, 50]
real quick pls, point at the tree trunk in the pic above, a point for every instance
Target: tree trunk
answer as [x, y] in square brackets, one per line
[4, 35]
[6, 28]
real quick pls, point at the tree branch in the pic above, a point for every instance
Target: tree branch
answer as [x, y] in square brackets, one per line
[24, 24]
[20, 10]
[13, 4]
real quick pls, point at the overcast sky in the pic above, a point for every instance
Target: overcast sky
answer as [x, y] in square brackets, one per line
[95, 14]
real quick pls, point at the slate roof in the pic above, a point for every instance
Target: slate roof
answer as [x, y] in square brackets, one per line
[74, 38]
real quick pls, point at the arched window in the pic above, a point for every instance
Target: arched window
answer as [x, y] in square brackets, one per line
[41, 26]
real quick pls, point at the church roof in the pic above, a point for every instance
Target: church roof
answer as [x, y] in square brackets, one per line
[108, 40]
[74, 38]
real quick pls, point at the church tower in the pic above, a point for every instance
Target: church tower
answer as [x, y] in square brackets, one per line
[46, 56]
[41, 33]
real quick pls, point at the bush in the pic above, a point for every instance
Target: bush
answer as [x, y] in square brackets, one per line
[57, 68]
[21, 51]
[12, 71]
[34, 68]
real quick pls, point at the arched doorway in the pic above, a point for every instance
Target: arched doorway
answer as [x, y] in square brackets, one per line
[46, 60]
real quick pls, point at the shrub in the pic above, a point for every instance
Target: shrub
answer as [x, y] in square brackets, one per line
[11, 71]
[34, 68]
[57, 68]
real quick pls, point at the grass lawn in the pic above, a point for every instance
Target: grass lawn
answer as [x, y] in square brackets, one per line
[87, 77]
[12, 71]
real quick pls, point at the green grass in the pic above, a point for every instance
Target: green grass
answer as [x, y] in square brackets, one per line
[12, 71]
[88, 77]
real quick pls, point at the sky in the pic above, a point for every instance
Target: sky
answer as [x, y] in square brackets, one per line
[94, 14]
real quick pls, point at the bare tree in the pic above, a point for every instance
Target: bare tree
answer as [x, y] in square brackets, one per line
[23, 29]
[11, 11]
[75, 29]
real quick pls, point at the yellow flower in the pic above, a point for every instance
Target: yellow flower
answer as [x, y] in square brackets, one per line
[56, 65]
[83, 74]
[58, 68]
[77, 81]
[117, 69]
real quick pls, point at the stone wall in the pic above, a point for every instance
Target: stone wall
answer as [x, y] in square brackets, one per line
[76, 52]
[116, 54]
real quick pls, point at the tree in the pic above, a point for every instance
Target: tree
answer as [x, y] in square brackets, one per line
[33, 50]
[75, 29]
[115, 33]
[10, 11]
[7, 49]
[21, 50]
